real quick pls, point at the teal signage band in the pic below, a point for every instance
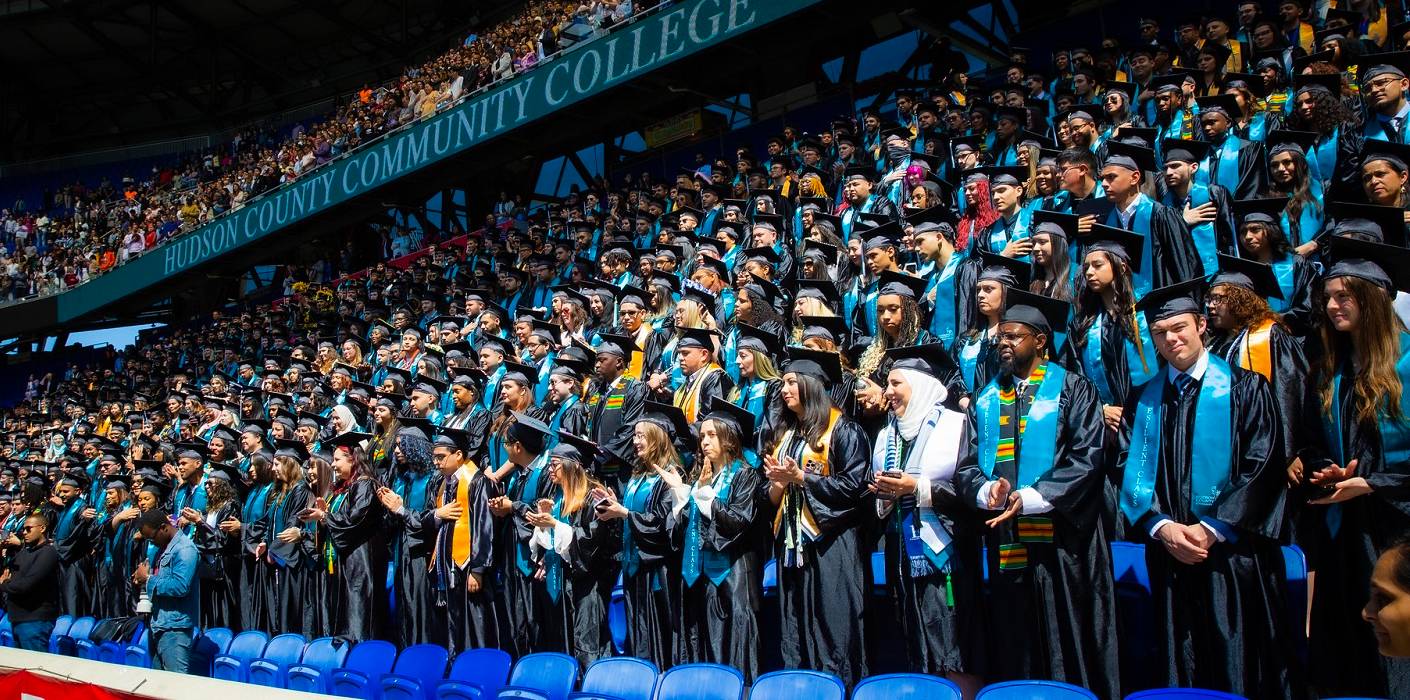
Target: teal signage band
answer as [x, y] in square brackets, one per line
[581, 73]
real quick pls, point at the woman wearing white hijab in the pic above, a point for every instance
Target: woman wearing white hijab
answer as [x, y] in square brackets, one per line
[343, 420]
[933, 560]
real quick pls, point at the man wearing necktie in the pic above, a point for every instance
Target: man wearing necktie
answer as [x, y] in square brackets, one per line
[1383, 86]
[1203, 479]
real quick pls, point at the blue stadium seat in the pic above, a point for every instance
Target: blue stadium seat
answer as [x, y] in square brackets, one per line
[617, 621]
[542, 676]
[419, 669]
[476, 674]
[136, 654]
[364, 666]
[68, 641]
[113, 652]
[234, 664]
[1183, 694]
[1128, 564]
[905, 686]
[321, 656]
[1295, 597]
[1035, 690]
[208, 645]
[283, 651]
[771, 578]
[787, 685]
[618, 678]
[61, 628]
[7, 632]
[701, 682]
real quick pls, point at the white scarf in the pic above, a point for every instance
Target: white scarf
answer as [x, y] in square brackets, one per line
[926, 393]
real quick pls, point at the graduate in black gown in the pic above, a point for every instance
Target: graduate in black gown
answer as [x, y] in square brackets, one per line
[418, 620]
[976, 350]
[524, 481]
[577, 545]
[76, 534]
[112, 589]
[1169, 254]
[284, 543]
[1359, 472]
[351, 519]
[1204, 481]
[933, 564]
[818, 466]
[256, 576]
[650, 561]
[462, 554]
[219, 567]
[715, 513]
[1034, 463]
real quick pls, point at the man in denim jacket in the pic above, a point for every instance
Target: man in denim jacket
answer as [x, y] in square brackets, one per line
[174, 589]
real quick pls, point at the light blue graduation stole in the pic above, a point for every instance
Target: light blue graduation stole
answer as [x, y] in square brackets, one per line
[670, 365]
[70, 515]
[923, 560]
[541, 386]
[1283, 269]
[753, 394]
[522, 555]
[1002, 231]
[850, 298]
[695, 557]
[1140, 223]
[556, 423]
[869, 296]
[1206, 241]
[969, 358]
[1309, 221]
[552, 563]
[638, 494]
[412, 489]
[729, 353]
[492, 388]
[1376, 129]
[1036, 441]
[1257, 128]
[1210, 455]
[1139, 367]
[942, 286]
[1322, 161]
[1226, 173]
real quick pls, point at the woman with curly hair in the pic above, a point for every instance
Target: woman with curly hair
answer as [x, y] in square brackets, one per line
[353, 550]
[1332, 160]
[418, 620]
[220, 564]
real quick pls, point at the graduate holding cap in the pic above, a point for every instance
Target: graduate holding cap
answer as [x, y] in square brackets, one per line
[1204, 481]
[578, 553]
[931, 541]
[1034, 467]
[817, 463]
[717, 511]
[1361, 462]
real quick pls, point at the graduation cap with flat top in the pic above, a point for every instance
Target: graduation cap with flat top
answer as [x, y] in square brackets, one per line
[1126, 245]
[1252, 275]
[1367, 220]
[1180, 298]
[1267, 210]
[1041, 313]
[930, 359]
[1383, 265]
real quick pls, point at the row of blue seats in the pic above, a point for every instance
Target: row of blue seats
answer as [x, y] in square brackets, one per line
[374, 669]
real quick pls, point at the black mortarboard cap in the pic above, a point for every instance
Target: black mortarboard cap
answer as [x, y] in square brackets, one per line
[931, 359]
[1043, 314]
[1003, 269]
[1183, 297]
[825, 366]
[1252, 275]
[1127, 245]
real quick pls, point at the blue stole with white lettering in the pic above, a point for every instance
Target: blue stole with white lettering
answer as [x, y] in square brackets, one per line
[1210, 453]
[696, 559]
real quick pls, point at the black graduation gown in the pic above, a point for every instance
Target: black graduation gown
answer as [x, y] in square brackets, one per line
[1300, 315]
[256, 575]
[112, 590]
[1253, 176]
[76, 567]
[1220, 623]
[471, 620]
[418, 619]
[822, 602]
[382, 456]
[219, 568]
[518, 623]
[577, 624]
[652, 592]
[719, 623]
[1291, 393]
[574, 420]
[713, 385]
[942, 615]
[357, 532]
[612, 430]
[1173, 250]
[1062, 605]
[1344, 655]
[291, 566]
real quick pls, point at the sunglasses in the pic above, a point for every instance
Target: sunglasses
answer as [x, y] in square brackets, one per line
[26, 528]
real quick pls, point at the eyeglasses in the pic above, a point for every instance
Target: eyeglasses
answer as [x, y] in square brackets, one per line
[1013, 338]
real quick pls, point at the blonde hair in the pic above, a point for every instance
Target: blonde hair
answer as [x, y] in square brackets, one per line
[659, 450]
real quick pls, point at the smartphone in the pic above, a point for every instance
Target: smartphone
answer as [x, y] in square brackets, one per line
[893, 474]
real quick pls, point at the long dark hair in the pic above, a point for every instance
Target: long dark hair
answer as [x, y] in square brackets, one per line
[1300, 195]
[1330, 114]
[1060, 285]
[1122, 309]
[817, 410]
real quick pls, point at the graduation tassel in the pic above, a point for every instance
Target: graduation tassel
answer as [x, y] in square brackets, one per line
[949, 591]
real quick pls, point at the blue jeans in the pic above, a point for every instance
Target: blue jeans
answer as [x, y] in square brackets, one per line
[34, 635]
[173, 650]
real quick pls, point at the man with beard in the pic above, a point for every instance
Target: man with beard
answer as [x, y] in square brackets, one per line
[1034, 461]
